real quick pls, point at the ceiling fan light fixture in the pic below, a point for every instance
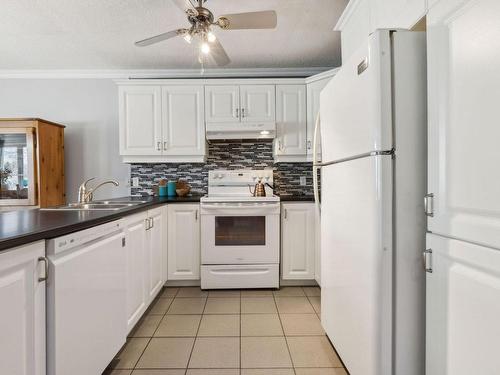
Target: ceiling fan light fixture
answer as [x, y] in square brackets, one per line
[205, 48]
[211, 37]
[188, 38]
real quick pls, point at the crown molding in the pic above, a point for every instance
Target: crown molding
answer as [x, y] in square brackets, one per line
[162, 73]
[326, 74]
[346, 14]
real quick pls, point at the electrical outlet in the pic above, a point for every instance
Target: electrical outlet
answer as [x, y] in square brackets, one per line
[303, 181]
[135, 181]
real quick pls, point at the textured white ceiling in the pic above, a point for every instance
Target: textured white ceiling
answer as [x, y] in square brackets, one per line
[100, 34]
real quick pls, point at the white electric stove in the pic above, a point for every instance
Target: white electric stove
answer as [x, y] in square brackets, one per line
[240, 233]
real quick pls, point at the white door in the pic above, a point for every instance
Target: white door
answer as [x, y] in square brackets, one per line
[222, 104]
[298, 241]
[464, 87]
[184, 241]
[154, 250]
[140, 120]
[463, 306]
[291, 120]
[22, 312]
[183, 120]
[313, 91]
[257, 103]
[135, 237]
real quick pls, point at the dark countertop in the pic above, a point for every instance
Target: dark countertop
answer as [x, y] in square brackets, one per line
[24, 226]
[297, 198]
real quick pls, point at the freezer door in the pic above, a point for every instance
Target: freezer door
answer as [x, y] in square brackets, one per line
[356, 257]
[464, 87]
[355, 106]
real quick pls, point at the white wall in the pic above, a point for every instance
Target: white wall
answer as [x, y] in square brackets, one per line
[89, 109]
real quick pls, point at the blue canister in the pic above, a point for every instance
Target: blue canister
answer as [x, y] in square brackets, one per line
[162, 191]
[171, 188]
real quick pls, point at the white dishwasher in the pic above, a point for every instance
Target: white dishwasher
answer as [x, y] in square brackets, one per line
[86, 300]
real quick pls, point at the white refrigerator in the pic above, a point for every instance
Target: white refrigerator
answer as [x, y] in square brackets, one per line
[373, 180]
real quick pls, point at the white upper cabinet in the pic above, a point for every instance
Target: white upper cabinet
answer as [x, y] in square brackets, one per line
[463, 53]
[291, 123]
[183, 120]
[396, 13]
[313, 92]
[257, 103]
[140, 120]
[222, 104]
[22, 312]
[184, 241]
[298, 241]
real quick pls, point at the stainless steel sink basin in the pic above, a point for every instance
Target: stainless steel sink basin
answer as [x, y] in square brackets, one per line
[96, 206]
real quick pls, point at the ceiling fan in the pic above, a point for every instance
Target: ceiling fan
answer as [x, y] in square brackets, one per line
[202, 20]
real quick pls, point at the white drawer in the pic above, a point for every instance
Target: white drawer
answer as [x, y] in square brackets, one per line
[240, 276]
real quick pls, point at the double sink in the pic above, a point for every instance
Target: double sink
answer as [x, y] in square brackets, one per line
[112, 205]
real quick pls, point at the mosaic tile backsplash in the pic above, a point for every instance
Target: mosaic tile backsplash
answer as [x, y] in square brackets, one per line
[227, 155]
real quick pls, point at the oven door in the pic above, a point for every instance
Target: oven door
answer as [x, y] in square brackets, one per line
[240, 233]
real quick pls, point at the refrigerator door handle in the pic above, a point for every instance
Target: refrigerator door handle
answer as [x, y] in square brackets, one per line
[360, 156]
[315, 167]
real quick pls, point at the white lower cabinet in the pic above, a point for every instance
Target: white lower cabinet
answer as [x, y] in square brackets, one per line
[22, 311]
[183, 241]
[298, 241]
[145, 247]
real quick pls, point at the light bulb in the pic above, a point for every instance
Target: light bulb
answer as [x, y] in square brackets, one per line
[205, 48]
[211, 37]
[188, 38]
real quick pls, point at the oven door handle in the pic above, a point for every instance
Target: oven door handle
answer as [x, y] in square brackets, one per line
[239, 205]
[241, 271]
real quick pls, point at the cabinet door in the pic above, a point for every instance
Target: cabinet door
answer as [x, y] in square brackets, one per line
[463, 306]
[291, 122]
[222, 104]
[22, 301]
[257, 103]
[183, 242]
[463, 54]
[298, 241]
[183, 120]
[140, 120]
[313, 92]
[154, 253]
[402, 14]
[135, 237]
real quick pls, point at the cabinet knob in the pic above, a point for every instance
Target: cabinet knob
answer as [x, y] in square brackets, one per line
[158, 146]
[165, 145]
[309, 145]
[242, 112]
[237, 113]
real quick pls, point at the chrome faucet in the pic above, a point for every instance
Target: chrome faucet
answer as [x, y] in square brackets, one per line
[86, 195]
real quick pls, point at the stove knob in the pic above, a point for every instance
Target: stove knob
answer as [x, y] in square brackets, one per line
[220, 175]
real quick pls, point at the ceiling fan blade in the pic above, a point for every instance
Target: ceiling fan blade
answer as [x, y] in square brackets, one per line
[186, 6]
[218, 53]
[159, 38]
[252, 20]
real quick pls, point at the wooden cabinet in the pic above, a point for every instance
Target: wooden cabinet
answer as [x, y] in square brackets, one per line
[240, 103]
[291, 123]
[22, 301]
[183, 241]
[313, 93]
[298, 241]
[183, 121]
[463, 305]
[32, 163]
[162, 123]
[222, 103]
[145, 252]
[140, 120]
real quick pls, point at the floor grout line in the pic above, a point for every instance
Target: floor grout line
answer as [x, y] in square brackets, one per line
[284, 334]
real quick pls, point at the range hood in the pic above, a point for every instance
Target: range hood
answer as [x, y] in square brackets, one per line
[263, 130]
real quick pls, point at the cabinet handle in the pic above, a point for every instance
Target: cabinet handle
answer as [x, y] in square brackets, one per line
[158, 146]
[309, 145]
[46, 269]
[237, 113]
[242, 112]
[148, 223]
[196, 215]
[165, 145]
[286, 213]
[152, 220]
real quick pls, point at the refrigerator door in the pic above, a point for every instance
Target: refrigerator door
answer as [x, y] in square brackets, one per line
[355, 106]
[356, 262]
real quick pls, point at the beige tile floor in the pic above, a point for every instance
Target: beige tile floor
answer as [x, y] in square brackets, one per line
[188, 331]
